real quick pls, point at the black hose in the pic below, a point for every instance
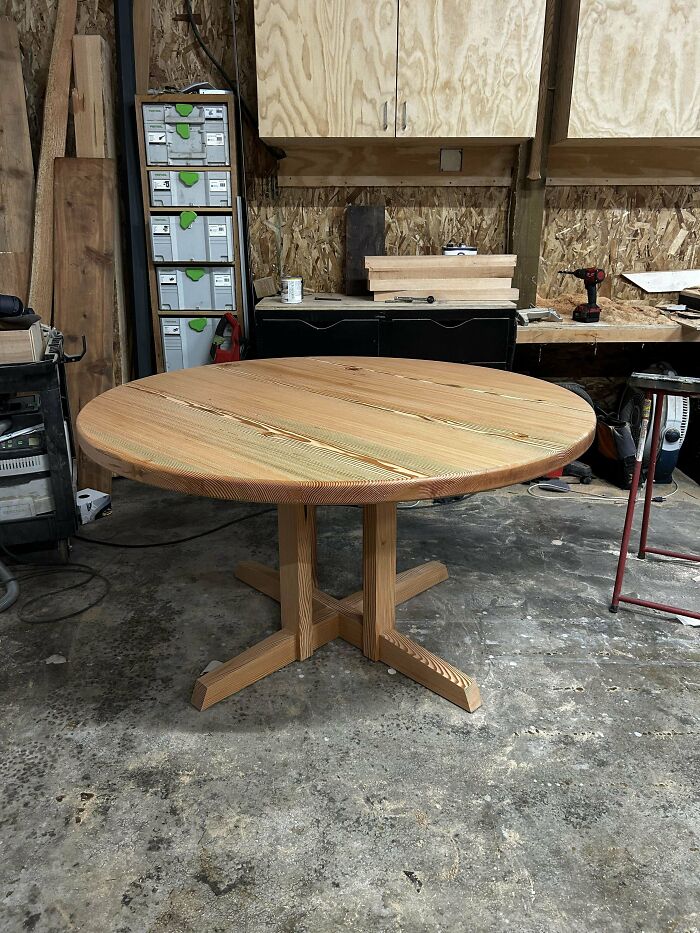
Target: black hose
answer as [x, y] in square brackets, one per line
[11, 587]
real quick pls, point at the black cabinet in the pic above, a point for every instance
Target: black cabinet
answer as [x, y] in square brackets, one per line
[483, 337]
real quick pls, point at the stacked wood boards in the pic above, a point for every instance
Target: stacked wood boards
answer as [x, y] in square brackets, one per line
[450, 278]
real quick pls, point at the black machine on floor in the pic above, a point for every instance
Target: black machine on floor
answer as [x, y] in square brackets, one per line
[675, 417]
[588, 313]
[37, 495]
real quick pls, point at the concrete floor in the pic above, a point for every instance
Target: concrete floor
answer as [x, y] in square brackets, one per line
[336, 795]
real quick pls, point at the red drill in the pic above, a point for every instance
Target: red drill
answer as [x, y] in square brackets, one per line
[590, 312]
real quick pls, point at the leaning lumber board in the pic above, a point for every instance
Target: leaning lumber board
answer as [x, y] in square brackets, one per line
[16, 169]
[429, 263]
[142, 44]
[425, 283]
[84, 278]
[95, 137]
[53, 145]
[503, 294]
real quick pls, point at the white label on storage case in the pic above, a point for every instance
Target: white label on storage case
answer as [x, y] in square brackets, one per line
[168, 278]
[217, 229]
[218, 184]
[213, 113]
[161, 184]
[221, 280]
[161, 228]
[156, 137]
[215, 139]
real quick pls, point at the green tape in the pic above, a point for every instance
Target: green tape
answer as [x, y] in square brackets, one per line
[184, 109]
[198, 324]
[195, 274]
[189, 178]
[183, 130]
[187, 218]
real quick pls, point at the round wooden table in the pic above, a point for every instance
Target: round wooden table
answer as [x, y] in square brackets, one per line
[304, 432]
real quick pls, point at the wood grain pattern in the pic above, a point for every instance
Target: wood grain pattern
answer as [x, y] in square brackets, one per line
[469, 69]
[379, 575]
[84, 279]
[53, 145]
[634, 71]
[446, 267]
[428, 669]
[670, 332]
[326, 67]
[16, 169]
[95, 138]
[269, 655]
[447, 291]
[335, 430]
[142, 44]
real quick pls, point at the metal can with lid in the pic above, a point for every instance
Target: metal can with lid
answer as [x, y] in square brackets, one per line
[459, 249]
[292, 289]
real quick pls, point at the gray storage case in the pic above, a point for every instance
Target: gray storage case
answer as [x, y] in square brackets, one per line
[192, 237]
[186, 134]
[206, 289]
[190, 189]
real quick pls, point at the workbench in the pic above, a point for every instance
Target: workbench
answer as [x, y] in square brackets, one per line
[570, 332]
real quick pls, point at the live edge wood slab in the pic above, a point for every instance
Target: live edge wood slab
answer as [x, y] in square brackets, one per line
[335, 431]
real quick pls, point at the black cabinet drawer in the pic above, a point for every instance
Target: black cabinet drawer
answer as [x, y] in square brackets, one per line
[488, 340]
[317, 335]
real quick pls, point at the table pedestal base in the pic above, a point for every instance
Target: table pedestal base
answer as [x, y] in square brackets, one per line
[311, 618]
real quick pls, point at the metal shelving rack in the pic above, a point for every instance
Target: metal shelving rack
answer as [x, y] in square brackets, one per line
[229, 168]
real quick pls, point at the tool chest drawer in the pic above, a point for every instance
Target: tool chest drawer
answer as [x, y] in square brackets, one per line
[186, 134]
[207, 289]
[294, 333]
[191, 237]
[484, 338]
[473, 336]
[189, 189]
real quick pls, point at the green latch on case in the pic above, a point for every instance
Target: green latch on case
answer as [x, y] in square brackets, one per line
[194, 274]
[198, 324]
[189, 178]
[183, 130]
[184, 109]
[187, 218]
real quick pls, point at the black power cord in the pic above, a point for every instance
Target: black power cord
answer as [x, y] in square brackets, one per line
[32, 569]
[200, 534]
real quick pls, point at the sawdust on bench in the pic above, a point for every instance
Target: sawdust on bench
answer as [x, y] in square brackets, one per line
[612, 311]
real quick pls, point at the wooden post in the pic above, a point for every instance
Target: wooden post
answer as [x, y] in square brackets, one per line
[379, 574]
[296, 528]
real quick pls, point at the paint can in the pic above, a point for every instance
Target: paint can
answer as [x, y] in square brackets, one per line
[292, 291]
[459, 249]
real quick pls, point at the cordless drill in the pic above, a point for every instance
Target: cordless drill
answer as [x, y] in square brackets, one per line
[590, 312]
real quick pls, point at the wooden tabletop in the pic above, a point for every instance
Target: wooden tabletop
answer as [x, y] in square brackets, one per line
[335, 430]
[333, 301]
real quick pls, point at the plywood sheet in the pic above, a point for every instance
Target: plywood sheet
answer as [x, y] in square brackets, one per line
[326, 69]
[635, 70]
[469, 68]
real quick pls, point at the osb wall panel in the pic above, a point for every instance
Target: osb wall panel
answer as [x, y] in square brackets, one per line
[301, 231]
[620, 229]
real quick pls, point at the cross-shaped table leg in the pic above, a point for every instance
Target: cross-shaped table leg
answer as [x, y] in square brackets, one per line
[311, 618]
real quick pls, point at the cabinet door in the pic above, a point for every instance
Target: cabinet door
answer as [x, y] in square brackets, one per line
[469, 68]
[326, 68]
[629, 70]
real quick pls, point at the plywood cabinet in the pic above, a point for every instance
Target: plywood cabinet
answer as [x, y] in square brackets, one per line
[326, 68]
[465, 69]
[469, 69]
[629, 70]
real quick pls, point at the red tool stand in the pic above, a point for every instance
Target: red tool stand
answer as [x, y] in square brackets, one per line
[656, 387]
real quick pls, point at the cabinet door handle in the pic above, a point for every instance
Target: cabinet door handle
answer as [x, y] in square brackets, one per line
[404, 121]
[385, 122]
